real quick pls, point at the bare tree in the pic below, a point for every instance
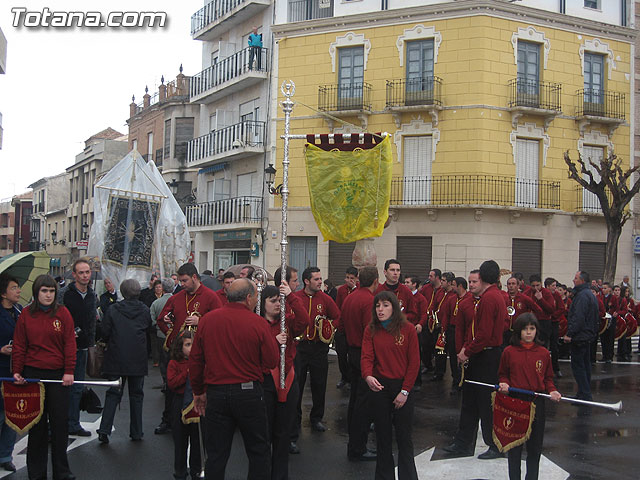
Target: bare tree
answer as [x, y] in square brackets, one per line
[614, 194]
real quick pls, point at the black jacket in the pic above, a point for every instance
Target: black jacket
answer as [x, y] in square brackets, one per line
[124, 328]
[106, 300]
[84, 312]
[583, 315]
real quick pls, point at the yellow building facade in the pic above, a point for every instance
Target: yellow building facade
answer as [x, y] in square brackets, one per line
[480, 105]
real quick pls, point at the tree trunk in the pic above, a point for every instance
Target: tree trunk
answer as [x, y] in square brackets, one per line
[614, 229]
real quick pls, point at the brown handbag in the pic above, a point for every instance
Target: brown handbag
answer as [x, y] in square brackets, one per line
[96, 359]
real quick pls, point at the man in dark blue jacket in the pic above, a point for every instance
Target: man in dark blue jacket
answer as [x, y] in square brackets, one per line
[10, 294]
[583, 322]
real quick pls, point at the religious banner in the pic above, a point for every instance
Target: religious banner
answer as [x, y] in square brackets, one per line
[23, 405]
[512, 420]
[350, 190]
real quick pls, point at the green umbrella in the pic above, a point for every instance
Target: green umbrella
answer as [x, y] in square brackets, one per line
[25, 266]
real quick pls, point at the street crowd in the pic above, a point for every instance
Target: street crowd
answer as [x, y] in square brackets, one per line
[229, 362]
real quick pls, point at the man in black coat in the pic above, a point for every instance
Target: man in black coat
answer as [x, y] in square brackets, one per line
[583, 320]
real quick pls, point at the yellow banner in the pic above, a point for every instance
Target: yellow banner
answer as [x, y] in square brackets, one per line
[350, 191]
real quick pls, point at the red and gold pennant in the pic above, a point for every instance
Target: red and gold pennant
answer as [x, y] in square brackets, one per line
[23, 405]
[512, 419]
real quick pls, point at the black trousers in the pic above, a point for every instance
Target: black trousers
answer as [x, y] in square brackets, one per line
[453, 356]
[607, 340]
[428, 343]
[340, 343]
[228, 407]
[387, 416]
[281, 417]
[554, 347]
[54, 418]
[545, 332]
[534, 447]
[359, 414]
[168, 393]
[624, 348]
[476, 400]
[183, 435]
[311, 357]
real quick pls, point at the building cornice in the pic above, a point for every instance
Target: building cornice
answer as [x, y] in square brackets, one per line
[459, 9]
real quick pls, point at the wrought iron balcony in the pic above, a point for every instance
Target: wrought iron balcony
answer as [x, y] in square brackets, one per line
[300, 10]
[231, 74]
[346, 96]
[475, 190]
[414, 92]
[535, 94]
[237, 210]
[220, 16]
[240, 139]
[588, 202]
[600, 103]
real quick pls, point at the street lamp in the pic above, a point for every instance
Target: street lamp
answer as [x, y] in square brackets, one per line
[269, 177]
[173, 186]
[54, 235]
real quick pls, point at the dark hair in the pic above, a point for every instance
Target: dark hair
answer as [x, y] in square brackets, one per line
[475, 270]
[269, 291]
[250, 269]
[241, 292]
[277, 276]
[489, 272]
[534, 278]
[39, 282]
[207, 272]
[328, 283]
[130, 289]
[367, 276]
[586, 278]
[176, 352]
[390, 262]
[413, 280]
[228, 275]
[397, 317]
[548, 281]
[188, 269]
[623, 291]
[352, 271]
[520, 323]
[437, 272]
[308, 272]
[608, 284]
[5, 279]
[157, 282]
[449, 276]
[518, 276]
[461, 282]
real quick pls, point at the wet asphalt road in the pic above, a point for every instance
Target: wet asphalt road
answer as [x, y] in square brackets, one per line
[596, 445]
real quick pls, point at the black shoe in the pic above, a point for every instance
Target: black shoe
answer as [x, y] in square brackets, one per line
[490, 454]
[162, 429]
[368, 456]
[136, 439]
[558, 374]
[8, 466]
[341, 384]
[80, 433]
[318, 426]
[457, 449]
[293, 448]
[103, 438]
[436, 378]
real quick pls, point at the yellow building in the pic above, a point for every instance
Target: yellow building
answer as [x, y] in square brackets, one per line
[481, 100]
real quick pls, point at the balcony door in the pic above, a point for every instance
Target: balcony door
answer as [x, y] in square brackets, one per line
[303, 253]
[417, 170]
[527, 161]
[350, 78]
[419, 88]
[528, 74]
[248, 186]
[593, 84]
[591, 155]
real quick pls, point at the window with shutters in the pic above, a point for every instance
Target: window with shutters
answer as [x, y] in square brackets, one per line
[528, 73]
[591, 155]
[350, 77]
[303, 253]
[527, 161]
[340, 258]
[594, 83]
[591, 258]
[167, 139]
[526, 256]
[184, 134]
[414, 255]
[150, 146]
[417, 152]
[419, 86]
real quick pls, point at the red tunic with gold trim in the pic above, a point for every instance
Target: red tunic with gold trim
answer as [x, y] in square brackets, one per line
[182, 305]
[521, 304]
[528, 368]
[445, 314]
[318, 305]
[343, 292]
[464, 319]
[222, 294]
[434, 298]
[420, 304]
[560, 310]
[356, 315]
[297, 321]
[488, 322]
[405, 297]
[547, 303]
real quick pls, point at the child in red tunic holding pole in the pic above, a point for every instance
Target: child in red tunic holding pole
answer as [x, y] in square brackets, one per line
[526, 364]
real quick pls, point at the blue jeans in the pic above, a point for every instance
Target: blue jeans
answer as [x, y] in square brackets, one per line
[76, 391]
[581, 368]
[7, 437]
[112, 400]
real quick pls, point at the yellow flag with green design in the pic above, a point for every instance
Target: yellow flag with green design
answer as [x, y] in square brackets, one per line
[350, 191]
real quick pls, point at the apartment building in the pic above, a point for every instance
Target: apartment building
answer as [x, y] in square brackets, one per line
[7, 215]
[22, 210]
[481, 99]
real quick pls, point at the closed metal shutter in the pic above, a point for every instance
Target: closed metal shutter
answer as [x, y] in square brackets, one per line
[184, 134]
[340, 255]
[414, 255]
[591, 258]
[526, 257]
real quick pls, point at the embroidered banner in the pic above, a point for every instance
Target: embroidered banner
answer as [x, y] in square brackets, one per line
[23, 405]
[512, 419]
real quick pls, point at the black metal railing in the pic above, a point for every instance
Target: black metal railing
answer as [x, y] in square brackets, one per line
[211, 12]
[600, 103]
[346, 96]
[458, 190]
[228, 69]
[588, 202]
[535, 94]
[224, 212]
[418, 91]
[240, 135]
[300, 10]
